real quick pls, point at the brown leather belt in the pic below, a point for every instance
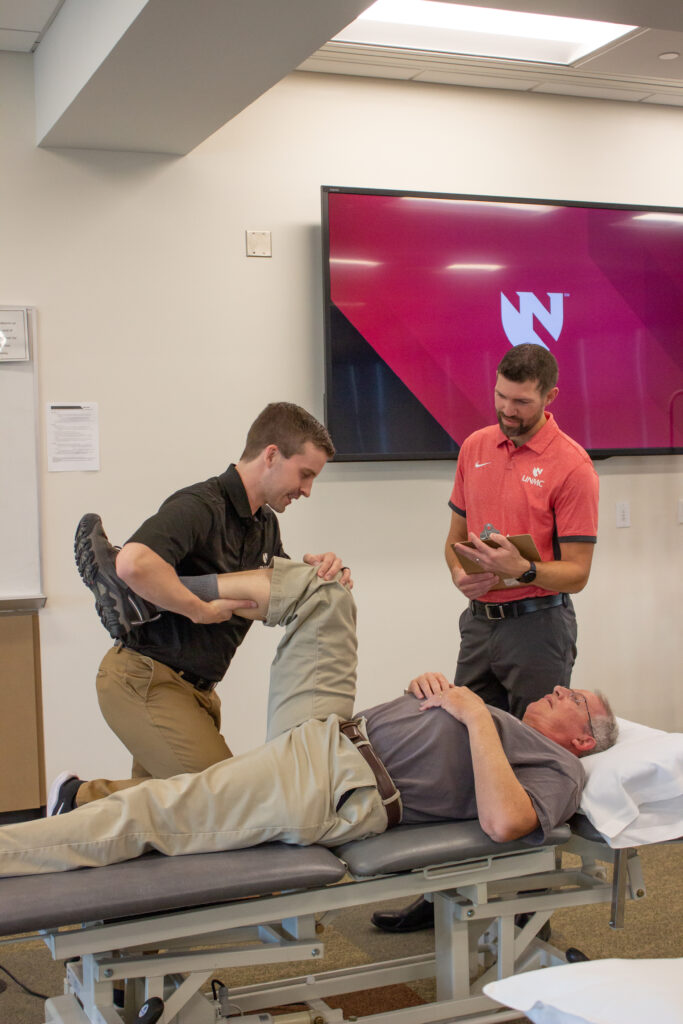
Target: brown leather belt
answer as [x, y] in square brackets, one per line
[385, 786]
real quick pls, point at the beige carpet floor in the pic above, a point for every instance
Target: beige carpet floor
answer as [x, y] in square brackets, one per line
[654, 928]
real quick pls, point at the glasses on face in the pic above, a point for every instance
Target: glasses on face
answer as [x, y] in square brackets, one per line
[579, 700]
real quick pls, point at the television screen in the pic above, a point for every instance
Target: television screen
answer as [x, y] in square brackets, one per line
[425, 293]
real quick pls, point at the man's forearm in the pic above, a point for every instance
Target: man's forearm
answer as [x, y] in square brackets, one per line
[503, 805]
[569, 575]
[148, 575]
[452, 560]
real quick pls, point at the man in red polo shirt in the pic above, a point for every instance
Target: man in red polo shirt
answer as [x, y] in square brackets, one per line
[523, 476]
[526, 477]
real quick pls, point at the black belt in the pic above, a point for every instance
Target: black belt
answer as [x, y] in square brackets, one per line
[511, 609]
[196, 681]
[189, 677]
[385, 786]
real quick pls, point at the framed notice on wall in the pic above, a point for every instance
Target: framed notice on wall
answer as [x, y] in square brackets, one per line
[14, 344]
[20, 565]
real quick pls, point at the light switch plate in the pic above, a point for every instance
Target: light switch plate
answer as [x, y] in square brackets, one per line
[623, 513]
[259, 243]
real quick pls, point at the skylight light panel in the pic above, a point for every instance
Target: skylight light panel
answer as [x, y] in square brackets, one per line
[481, 32]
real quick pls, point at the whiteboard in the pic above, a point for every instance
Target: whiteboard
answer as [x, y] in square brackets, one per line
[20, 567]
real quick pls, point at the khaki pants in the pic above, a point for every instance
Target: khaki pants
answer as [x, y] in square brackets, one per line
[287, 790]
[169, 726]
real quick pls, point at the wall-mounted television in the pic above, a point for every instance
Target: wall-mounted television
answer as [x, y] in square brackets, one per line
[424, 293]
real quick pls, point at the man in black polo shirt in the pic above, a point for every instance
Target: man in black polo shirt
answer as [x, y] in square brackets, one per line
[156, 686]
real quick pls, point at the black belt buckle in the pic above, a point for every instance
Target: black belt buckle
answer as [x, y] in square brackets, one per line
[195, 680]
[205, 685]
[489, 608]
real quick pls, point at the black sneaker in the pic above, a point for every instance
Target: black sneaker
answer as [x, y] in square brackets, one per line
[119, 609]
[62, 796]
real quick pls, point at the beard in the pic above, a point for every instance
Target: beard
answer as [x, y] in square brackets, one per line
[515, 429]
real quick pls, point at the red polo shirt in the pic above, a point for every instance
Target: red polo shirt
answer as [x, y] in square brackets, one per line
[546, 487]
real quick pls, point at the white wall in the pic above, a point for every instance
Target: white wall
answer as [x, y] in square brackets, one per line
[148, 305]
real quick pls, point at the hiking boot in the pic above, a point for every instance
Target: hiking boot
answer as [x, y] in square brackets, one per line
[119, 609]
[62, 796]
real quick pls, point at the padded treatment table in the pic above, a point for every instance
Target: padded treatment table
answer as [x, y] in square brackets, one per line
[164, 925]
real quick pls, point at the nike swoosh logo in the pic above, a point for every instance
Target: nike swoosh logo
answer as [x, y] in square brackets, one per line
[478, 465]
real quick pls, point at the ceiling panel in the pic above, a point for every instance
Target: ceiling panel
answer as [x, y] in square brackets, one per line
[628, 70]
[17, 40]
[475, 78]
[666, 14]
[253, 48]
[596, 91]
[638, 56]
[22, 21]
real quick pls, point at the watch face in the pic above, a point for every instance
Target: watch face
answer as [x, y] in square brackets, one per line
[529, 576]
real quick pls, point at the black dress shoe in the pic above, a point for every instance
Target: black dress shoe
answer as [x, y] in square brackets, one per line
[415, 918]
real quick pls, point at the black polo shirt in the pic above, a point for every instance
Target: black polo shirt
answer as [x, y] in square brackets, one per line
[204, 528]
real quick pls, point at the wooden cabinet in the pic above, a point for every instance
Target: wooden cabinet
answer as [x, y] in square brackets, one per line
[22, 761]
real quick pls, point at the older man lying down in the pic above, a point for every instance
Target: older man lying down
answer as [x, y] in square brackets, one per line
[436, 753]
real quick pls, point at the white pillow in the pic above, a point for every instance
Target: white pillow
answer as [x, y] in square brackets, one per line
[596, 992]
[634, 790]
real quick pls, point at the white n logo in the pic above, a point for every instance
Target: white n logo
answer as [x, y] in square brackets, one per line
[518, 324]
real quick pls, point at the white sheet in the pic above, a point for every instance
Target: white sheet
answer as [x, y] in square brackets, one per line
[634, 791]
[597, 992]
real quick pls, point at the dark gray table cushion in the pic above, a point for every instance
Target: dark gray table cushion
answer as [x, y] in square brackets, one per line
[156, 883]
[416, 846]
[583, 827]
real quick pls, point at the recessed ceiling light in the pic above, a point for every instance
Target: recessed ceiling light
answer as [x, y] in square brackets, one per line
[670, 55]
[475, 31]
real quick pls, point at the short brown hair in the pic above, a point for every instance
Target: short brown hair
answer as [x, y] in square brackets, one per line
[289, 427]
[530, 362]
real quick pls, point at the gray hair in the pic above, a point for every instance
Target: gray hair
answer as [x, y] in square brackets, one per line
[605, 727]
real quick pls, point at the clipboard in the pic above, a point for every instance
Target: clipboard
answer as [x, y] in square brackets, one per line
[524, 543]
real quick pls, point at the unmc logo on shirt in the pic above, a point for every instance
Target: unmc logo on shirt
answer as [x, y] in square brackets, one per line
[518, 324]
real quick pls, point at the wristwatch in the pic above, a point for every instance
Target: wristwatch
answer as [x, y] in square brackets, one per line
[529, 576]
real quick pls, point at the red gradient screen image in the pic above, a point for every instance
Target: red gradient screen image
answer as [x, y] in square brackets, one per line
[425, 294]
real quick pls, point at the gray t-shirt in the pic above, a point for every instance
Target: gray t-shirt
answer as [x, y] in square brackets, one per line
[427, 754]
